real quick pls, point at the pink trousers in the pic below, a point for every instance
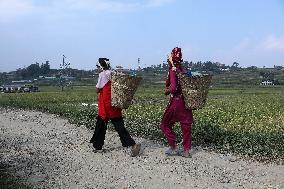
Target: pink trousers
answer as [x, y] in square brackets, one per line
[176, 112]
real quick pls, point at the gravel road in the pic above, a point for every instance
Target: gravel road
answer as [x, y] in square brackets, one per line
[47, 151]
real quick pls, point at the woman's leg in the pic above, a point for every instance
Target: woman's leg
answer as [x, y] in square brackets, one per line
[168, 122]
[124, 136]
[167, 129]
[99, 134]
[186, 135]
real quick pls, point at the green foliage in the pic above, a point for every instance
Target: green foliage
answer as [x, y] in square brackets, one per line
[245, 121]
[252, 125]
[34, 70]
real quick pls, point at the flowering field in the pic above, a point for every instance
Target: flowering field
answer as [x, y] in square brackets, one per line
[248, 122]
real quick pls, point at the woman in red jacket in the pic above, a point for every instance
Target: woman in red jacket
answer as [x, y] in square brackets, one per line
[107, 112]
[176, 111]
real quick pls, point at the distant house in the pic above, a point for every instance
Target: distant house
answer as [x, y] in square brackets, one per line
[118, 67]
[47, 78]
[266, 83]
[21, 82]
[194, 73]
[220, 65]
[11, 88]
[225, 69]
[68, 78]
[18, 88]
[123, 70]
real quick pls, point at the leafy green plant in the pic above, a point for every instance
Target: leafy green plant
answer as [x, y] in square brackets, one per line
[248, 122]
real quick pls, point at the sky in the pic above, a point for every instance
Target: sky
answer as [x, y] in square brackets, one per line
[248, 32]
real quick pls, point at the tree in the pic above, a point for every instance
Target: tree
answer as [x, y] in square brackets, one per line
[266, 76]
[252, 68]
[33, 70]
[235, 64]
[45, 68]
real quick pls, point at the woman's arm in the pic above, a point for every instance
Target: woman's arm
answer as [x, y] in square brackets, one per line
[173, 82]
[98, 90]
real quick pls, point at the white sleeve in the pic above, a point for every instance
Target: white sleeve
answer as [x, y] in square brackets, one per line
[103, 79]
[99, 81]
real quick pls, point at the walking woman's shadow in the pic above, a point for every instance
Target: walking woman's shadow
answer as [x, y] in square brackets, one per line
[147, 144]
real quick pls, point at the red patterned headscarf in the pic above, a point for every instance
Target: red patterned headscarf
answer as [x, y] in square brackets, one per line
[177, 60]
[176, 56]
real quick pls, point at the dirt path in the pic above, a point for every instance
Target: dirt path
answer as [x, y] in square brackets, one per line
[48, 152]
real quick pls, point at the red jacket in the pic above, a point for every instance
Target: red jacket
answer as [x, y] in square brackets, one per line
[105, 109]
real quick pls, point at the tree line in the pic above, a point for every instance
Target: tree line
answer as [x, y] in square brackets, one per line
[43, 69]
[34, 70]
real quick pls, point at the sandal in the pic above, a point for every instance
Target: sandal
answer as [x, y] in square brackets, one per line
[186, 154]
[135, 150]
[171, 152]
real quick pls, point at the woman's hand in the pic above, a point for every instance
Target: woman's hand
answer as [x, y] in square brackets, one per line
[98, 90]
[167, 92]
[170, 60]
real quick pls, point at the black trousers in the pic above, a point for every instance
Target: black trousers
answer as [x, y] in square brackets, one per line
[100, 132]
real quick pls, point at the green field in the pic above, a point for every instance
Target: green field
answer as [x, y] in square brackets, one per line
[245, 121]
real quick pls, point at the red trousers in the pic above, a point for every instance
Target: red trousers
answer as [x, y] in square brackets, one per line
[176, 112]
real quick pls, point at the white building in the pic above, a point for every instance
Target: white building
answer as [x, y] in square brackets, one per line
[266, 83]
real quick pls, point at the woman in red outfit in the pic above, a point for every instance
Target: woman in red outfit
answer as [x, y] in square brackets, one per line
[176, 111]
[107, 112]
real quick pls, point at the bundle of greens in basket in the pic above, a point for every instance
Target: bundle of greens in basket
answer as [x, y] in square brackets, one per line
[194, 90]
[123, 88]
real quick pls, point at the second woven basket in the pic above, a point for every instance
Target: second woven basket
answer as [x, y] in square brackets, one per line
[194, 90]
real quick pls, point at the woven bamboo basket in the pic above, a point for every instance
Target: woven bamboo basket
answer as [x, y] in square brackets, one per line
[123, 88]
[194, 90]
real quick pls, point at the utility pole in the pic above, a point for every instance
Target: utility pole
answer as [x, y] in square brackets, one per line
[63, 72]
[139, 66]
